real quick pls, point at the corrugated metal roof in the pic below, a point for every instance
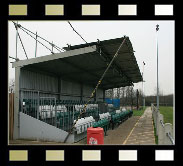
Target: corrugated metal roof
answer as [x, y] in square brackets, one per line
[89, 66]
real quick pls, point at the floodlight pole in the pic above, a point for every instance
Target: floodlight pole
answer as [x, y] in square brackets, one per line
[143, 91]
[157, 28]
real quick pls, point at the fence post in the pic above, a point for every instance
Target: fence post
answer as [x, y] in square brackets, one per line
[154, 116]
[157, 122]
[161, 131]
[152, 109]
[168, 129]
[38, 99]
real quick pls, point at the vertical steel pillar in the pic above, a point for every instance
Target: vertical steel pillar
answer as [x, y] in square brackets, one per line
[16, 40]
[157, 28]
[16, 129]
[142, 85]
[38, 105]
[143, 89]
[36, 46]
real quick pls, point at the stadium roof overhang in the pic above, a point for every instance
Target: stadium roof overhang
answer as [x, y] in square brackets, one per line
[86, 63]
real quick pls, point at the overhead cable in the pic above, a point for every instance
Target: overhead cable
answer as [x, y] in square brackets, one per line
[39, 42]
[23, 28]
[22, 45]
[77, 33]
[27, 30]
[13, 58]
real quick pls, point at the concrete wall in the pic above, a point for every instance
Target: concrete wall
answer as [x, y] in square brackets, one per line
[31, 128]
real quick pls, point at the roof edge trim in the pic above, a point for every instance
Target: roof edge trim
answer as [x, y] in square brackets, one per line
[66, 54]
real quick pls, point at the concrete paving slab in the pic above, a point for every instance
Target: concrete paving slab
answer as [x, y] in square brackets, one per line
[143, 132]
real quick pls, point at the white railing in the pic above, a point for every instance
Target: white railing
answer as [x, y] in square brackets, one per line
[164, 131]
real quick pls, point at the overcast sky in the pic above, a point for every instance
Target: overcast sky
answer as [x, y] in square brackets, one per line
[142, 34]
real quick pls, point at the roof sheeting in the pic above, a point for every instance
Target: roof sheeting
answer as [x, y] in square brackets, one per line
[88, 66]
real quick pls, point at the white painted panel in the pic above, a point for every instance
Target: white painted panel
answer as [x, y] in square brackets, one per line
[91, 155]
[31, 128]
[127, 155]
[164, 155]
[163, 10]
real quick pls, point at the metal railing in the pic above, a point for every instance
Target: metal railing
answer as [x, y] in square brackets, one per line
[171, 138]
[59, 113]
[163, 125]
[164, 131]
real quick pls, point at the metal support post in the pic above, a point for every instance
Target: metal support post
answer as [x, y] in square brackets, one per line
[52, 46]
[16, 40]
[36, 46]
[157, 28]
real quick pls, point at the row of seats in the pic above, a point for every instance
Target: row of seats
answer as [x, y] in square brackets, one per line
[65, 119]
[83, 123]
[91, 108]
[57, 102]
[104, 123]
[105, 116]
[118, 111]
[120, 117]
[47, 114]
[121, 110]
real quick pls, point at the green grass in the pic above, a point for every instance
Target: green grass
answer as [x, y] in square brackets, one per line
[138, 112]
[156, 137]
[167, 113]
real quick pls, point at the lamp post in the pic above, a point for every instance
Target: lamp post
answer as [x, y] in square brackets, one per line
[143, 91]
[157, 28]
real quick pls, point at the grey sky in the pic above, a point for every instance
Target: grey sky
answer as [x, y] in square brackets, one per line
[141, 33]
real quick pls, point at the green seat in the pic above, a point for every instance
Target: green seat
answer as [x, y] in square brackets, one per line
[103, 124]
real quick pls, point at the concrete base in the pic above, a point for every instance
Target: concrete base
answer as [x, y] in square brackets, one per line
[78, 137]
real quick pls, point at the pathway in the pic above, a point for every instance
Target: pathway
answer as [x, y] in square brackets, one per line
[143, 131]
